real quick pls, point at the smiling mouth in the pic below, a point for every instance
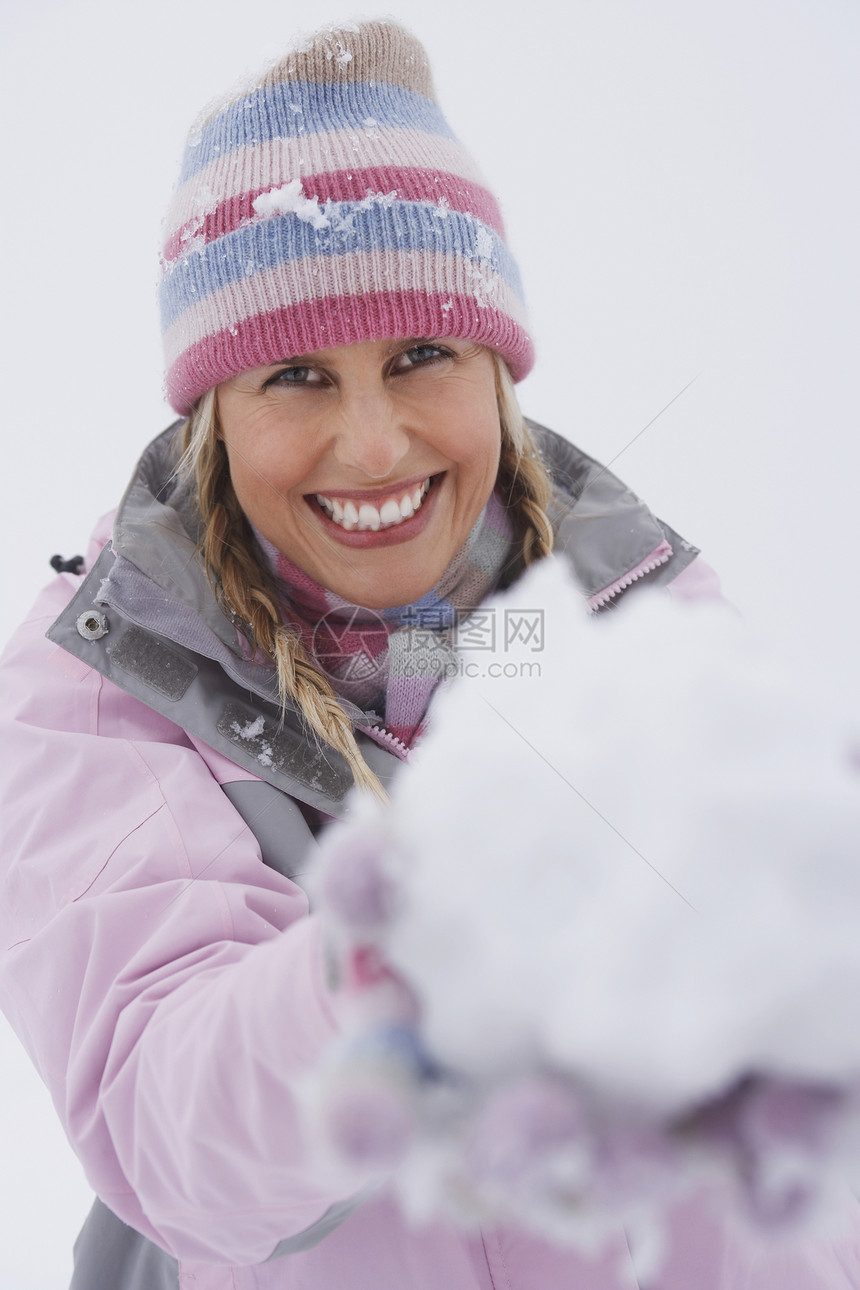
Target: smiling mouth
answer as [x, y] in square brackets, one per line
[371, 517]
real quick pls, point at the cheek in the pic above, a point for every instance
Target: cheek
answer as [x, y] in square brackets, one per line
[478, 451]
[468, 432]
[266, 454]
[263, 480]
[250, 494]
[245, 476]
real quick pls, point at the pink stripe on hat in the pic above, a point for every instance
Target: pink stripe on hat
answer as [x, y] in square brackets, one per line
[318, 324]
[259, 166]
[317, 278]
[406, 184]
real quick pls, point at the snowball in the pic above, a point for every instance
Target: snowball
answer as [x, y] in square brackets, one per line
[620, 879]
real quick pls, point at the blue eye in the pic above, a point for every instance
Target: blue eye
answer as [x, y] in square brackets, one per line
[421, 356]
[291, 376]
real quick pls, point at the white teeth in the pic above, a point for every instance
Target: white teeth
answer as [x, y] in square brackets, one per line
[368, 517]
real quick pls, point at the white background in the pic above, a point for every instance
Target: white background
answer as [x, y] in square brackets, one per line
[680, 185]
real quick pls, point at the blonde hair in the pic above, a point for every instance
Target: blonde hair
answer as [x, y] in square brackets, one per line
[523, 482]
[246, 588]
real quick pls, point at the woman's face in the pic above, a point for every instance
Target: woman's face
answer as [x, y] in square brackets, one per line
[366, 464]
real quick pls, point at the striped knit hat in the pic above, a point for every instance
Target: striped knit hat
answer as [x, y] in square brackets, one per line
[326, 204]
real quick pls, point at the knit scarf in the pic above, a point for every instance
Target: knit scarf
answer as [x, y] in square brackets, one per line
[388, 662]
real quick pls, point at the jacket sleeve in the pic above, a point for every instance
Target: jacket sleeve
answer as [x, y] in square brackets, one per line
[167, 984]
[698, 582]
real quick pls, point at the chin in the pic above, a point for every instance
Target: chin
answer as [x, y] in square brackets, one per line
[387, 589]
[381, 592]
[388, 598]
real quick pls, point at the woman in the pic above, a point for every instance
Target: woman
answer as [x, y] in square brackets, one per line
[264, 629]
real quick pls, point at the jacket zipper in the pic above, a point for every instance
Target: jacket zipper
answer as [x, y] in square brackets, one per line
[386, 740]
[658, 556]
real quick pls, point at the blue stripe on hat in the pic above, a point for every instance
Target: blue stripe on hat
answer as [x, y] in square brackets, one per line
[398, 226]
[283, 110]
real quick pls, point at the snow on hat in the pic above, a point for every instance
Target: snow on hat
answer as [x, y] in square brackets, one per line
[330, 203]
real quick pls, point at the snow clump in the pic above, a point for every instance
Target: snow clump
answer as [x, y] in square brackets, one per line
[619, 881]
[289, 199]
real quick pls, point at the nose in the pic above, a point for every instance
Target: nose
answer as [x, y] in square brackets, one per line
[370, 437]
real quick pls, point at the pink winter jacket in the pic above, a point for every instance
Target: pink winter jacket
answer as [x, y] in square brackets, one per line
[168, 987]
